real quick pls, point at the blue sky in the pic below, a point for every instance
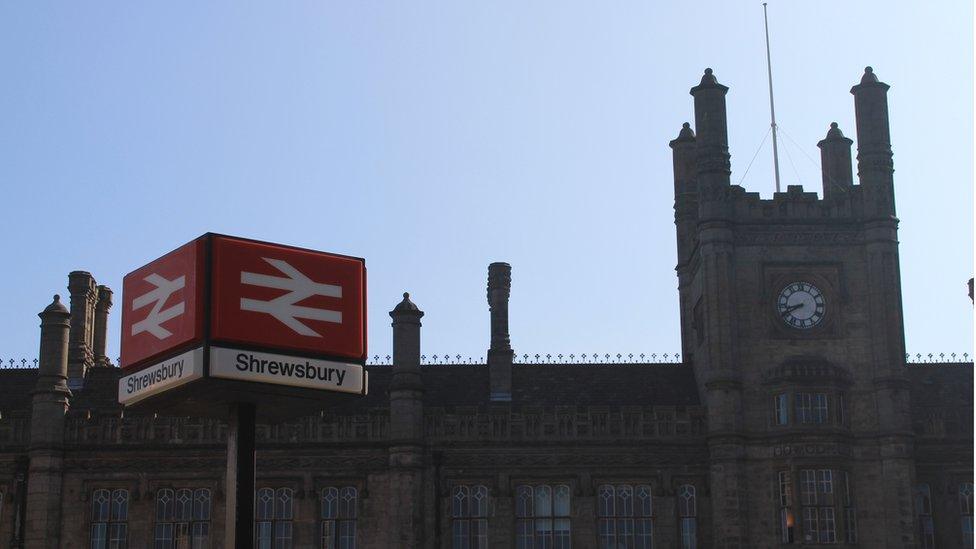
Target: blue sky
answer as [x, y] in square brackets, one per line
[433, 138]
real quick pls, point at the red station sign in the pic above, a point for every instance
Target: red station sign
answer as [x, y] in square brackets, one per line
[263, 296]
[162, 305]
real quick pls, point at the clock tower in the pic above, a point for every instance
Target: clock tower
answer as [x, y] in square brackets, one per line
[791, 317]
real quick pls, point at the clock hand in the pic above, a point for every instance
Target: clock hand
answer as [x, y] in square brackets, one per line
[792, 308]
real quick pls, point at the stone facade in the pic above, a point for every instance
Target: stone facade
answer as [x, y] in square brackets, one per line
[767, 435]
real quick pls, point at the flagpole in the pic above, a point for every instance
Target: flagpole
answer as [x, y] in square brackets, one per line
[772, 110]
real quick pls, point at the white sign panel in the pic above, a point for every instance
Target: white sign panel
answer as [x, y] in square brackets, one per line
[281, 369]
[157, 378]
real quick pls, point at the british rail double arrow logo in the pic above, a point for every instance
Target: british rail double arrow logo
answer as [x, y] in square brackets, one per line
[284, 307]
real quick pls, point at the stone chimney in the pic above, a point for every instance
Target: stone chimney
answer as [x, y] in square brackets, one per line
[49, 404]
[102, 306]
[835, 162]
[500, 353]
[81, 354]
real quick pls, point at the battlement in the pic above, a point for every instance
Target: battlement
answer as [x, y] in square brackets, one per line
[702, 167]
[795, 204]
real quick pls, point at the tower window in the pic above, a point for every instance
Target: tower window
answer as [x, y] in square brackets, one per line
[787, 522]
[811, 408]
[781, 409]
[817, 498]
[625, 516]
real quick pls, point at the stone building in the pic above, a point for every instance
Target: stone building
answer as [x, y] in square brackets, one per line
[792, 420]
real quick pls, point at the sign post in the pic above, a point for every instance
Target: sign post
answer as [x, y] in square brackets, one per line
[241, 469]
[245, 331]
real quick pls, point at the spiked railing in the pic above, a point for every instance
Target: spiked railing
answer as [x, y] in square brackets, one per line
[558, 358]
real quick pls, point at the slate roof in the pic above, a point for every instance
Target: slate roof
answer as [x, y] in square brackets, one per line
[666, 384]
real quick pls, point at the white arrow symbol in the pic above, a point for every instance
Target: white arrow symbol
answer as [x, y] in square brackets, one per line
[164, 289]
[283, 307]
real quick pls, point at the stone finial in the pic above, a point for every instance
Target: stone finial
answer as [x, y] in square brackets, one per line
[708, 81]
[55, 307]
[869, 80]
[869, 77]
[686, 134]
[406, 306]
[834, 133]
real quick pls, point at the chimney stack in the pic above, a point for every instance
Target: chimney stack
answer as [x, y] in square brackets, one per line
[835, 162]
[500, 354]
[81, 356]
[102, 306]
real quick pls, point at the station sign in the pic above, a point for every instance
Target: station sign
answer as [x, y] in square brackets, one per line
[223, 307]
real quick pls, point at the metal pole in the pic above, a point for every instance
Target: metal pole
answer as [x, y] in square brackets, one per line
[772, 111]
[239, 522]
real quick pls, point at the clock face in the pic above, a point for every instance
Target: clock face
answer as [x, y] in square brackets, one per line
[801, 305]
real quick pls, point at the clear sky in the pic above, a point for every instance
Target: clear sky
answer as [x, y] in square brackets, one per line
[433, 138]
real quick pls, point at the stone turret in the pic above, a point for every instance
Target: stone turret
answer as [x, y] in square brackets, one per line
[835, 162]
[711, 146]
[500, 354]
[874, 163]
[49, 404]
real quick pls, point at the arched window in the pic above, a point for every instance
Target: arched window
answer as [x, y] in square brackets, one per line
[966, 513]
[469, 517]
[542, 516]
[339, 513]
[182, 518]
[687, 516]
[273, 516]
[923, 515]
[624, 516]
[109, 516]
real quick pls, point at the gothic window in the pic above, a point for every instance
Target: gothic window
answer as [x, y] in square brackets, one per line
[109, 516]
[687, 516]
[817, 498]
[625, 517]
[469, 517]
[182, 519]
[786, 520]
[781, 414]
[339, 517]
[923, 515]
[542, 517]
[966, 513]
[273, 516]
